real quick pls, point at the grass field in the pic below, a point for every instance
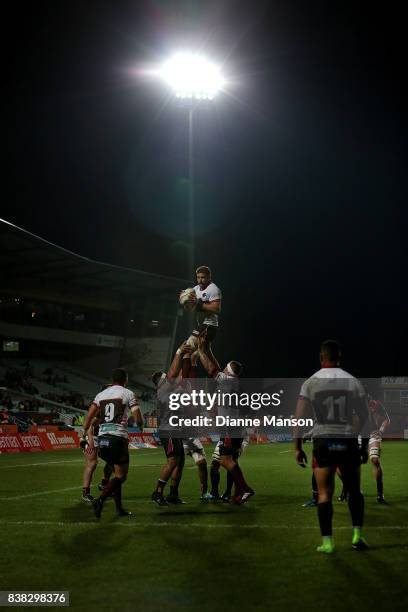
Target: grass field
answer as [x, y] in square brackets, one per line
[201, 556]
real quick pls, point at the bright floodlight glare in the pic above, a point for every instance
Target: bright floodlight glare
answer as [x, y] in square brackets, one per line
[192, 76]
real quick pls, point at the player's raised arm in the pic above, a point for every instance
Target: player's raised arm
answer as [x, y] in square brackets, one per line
[175, 367]
[209, 362]
[386, 419]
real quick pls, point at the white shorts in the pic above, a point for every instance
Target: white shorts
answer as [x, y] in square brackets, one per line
[194, 448]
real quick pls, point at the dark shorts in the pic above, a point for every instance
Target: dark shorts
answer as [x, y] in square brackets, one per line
[340, 452]
[113, 449]
[230, 446]
[211, 331]
[173, 447]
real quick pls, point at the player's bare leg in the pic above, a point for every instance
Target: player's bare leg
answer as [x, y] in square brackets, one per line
[378, 475]
[173, 470]
[325, 487]
[91, 461]
[203, 477]
[164, 477]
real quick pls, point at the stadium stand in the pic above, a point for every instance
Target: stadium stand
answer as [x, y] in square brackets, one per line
[66, 321]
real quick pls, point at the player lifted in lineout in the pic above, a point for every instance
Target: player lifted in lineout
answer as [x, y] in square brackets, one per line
[205, 300]
[112, 406]
[228, 448]
[339, 406]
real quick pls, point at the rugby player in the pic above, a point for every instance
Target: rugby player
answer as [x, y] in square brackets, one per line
[215, 472]
[112, 407]
[206, 301]
[339, 405]
[193, 447]
[173, 447]
[89, 446]
[380, 421]
[228, 447]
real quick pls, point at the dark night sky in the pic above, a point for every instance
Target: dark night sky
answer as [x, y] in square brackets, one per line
[300, 166]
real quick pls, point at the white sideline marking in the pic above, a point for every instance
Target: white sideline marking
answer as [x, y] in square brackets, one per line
[15, 465]
[287, 451]
[133, 524]
[2, 499]
[81, 460]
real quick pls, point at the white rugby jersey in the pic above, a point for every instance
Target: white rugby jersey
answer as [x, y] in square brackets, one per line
[207, 295]
[114, 404]
[336, 398]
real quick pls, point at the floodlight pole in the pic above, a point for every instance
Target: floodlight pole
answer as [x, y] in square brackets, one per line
[191, 194]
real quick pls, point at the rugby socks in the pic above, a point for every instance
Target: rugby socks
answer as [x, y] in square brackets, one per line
[325, 514]
[107, 472]
[215, 481]
[118, 497]
[239, 479]
[160, 486]
[111, 488]
[175, 485]
[230, 482]
[356, 507]
[315, 494]
[380, 488]
[203, 474]
[86, 490]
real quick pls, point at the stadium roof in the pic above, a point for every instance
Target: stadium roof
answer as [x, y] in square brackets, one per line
[26, 260]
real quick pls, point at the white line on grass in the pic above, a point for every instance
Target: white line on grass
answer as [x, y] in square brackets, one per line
[14, 465]
[3, 499]
[146, 525]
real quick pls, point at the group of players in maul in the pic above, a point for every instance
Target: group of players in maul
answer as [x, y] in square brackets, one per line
[347, 431]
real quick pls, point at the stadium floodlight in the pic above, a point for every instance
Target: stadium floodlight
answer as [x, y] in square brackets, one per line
[192, 76]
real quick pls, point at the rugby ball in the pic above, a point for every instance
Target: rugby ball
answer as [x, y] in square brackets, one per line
[184, 298]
